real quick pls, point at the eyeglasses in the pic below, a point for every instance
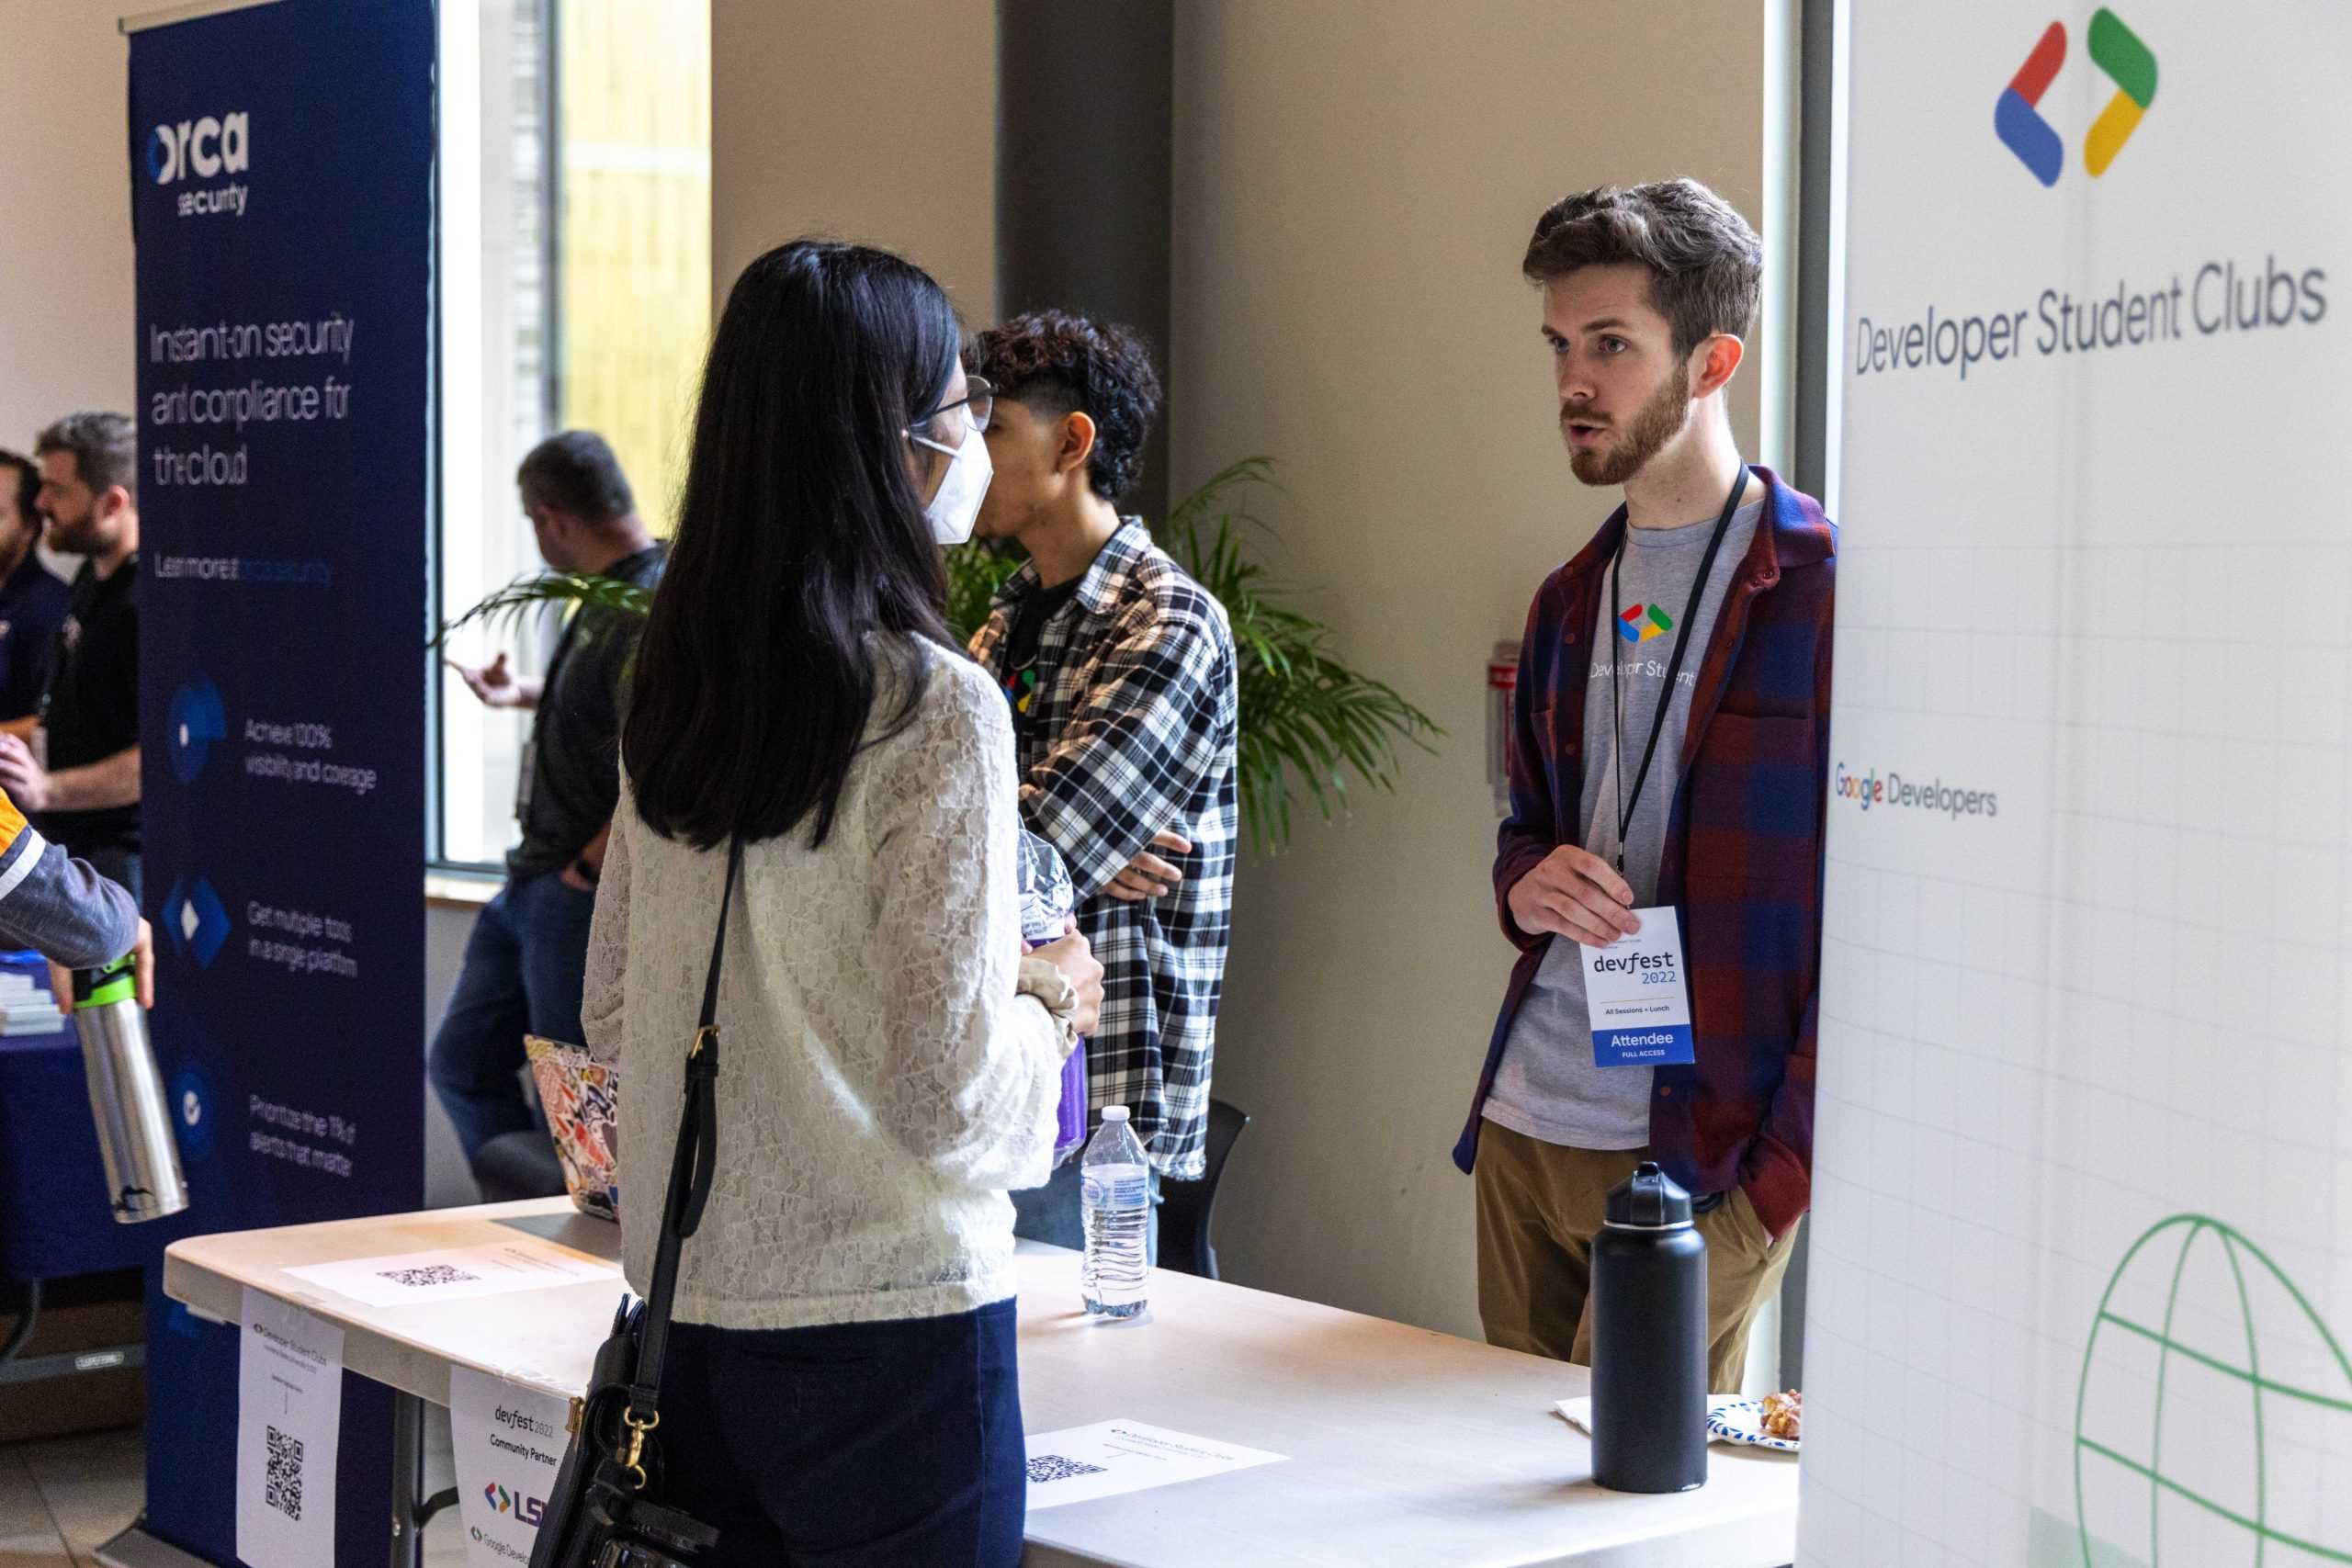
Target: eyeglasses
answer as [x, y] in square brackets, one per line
[978, 403]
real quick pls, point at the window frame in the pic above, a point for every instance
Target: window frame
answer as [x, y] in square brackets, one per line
[443, 870]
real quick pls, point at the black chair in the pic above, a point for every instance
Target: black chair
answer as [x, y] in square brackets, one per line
[518, 1165]
[1186, 1208]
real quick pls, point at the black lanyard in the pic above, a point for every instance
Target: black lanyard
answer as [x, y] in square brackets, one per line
[1625, 803]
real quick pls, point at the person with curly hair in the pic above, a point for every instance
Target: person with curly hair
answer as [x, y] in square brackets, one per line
[1120, 672]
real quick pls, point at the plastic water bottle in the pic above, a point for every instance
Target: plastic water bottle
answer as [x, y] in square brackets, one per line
[1116, 1188]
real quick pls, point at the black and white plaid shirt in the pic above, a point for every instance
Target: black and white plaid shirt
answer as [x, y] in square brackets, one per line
[1128, 731]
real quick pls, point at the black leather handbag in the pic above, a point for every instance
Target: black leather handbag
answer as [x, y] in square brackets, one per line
[607, 1509]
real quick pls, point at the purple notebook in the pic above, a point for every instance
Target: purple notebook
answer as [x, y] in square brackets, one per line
[1069, 1117]
[1047, 899]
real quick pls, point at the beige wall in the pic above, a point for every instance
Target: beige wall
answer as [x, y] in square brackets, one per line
[65, 273]
[873, 121]
[1354, 189]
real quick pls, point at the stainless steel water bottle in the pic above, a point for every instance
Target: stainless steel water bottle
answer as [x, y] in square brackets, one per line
[1649, 1340]
[142, 1160]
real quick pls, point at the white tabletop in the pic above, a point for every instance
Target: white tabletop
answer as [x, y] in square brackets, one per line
[1404, 1446]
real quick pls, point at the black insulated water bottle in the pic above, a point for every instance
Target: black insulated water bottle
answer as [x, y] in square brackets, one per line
[1649, 1340]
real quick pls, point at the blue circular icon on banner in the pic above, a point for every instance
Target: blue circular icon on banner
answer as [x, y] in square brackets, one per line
[194, 920]
[198, 719]
[159, 154]
[192, 1114]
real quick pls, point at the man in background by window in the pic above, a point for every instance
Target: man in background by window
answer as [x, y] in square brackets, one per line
[528, 958]
[32, 600]
[78, 776]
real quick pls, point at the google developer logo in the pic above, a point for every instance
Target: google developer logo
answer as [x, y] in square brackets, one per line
[2114, 49]
[1874, 790]
[1644, 622]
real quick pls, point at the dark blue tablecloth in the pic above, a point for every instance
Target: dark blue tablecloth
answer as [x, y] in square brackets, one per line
[52, 1186]
[54, 1213]
[54, 1218]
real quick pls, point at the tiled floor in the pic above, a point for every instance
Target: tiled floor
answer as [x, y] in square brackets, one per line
[62, 1499]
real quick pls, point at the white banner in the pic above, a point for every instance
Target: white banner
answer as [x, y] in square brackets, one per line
[509, 1442]
[290, 1425]
[2081, 1288]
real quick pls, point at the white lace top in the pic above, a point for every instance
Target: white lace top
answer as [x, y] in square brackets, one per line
[881, 1084]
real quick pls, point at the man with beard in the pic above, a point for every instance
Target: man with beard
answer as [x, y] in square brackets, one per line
[80, 777]
[1669, 765]
[32, 600]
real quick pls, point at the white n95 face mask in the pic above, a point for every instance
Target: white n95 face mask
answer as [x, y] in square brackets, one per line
[956, 507]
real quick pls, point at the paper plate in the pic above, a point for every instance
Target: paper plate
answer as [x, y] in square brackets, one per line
[1742, 1421]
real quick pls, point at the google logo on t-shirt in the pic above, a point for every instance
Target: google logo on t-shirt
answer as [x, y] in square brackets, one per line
[1642, 623]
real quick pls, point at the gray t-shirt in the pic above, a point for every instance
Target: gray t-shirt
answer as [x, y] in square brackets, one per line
[1547, 1086]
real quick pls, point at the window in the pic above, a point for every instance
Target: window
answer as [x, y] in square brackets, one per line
[575, 293]
[635, 163]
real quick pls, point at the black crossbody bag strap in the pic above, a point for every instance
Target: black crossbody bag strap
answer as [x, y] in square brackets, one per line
[690, 1167]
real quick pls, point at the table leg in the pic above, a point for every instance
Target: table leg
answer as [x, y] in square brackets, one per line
[412, 1510]
[408, 1480]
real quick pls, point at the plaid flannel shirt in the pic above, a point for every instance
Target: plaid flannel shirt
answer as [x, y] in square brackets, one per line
[1130, 732]
[1744, 850]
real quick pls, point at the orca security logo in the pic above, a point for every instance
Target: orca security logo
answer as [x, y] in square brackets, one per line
[196, 922]
[197, 719]
[204, 149]
[2115, 49]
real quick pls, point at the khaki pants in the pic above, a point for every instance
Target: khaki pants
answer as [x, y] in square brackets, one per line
[1539, 1205]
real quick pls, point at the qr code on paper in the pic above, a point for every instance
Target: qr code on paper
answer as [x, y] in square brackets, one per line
[281, 1486]
[1052, 1467]
[431, 1274]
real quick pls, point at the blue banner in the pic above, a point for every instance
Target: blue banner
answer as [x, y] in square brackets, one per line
[282, 202]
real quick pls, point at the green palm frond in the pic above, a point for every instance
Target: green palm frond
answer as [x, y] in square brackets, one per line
[1308, 721]
[975, 572]
[578, 589]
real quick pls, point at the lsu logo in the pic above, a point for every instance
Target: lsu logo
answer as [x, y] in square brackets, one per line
[201, 148]
[2117, 51]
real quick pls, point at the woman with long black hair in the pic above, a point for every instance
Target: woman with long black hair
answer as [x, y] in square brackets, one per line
[840, 1385]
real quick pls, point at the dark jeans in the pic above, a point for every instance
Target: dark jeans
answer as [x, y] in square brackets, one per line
[1055, 1213]
[525, 964]
[863, 1445]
